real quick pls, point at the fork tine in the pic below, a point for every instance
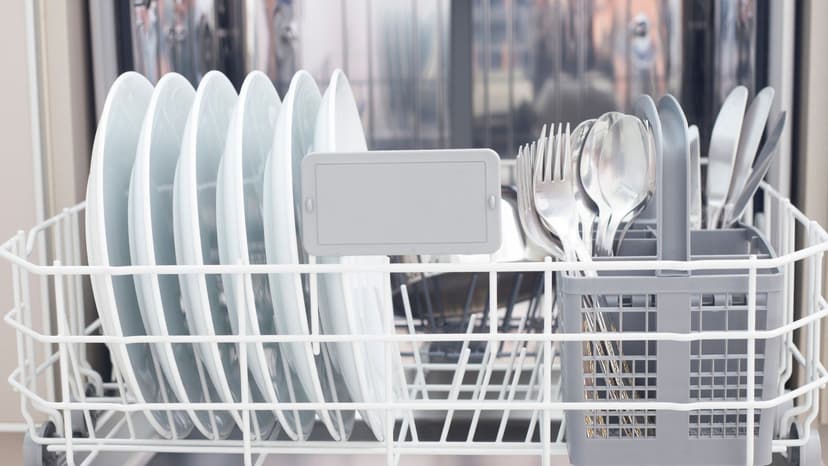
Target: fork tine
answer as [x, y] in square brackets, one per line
[556, 160]
[541, 142]
[542, 137]
[525, 174]
[548, 156]
[529, 170]
[567, 156]
[538, 163]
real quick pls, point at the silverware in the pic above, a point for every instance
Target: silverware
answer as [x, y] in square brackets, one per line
[695, 178]
[756, 118]
[588, 172]
[626, 174]
[724, 141]
[763, 162]
[527, 214]
[553, 186]
[585, 206]
[554, 183]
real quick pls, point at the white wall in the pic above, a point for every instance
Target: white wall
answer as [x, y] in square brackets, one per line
[17, 192]
[65, 124]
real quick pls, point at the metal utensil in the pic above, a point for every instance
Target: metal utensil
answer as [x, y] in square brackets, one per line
[763, 162]
[589, 169]
[626, 174]
[527, 214]
[554, 178]
[586, 207]
[695, 178]
[554, 194]
[724, 141]
[756, 118]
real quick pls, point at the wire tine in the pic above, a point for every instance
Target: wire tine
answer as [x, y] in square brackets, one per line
[504, 419]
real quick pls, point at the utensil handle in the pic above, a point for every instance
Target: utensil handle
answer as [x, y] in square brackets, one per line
[601, 239]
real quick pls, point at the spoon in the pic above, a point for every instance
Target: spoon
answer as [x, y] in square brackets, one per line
[589, 169]
[626, 170]
[586, 207]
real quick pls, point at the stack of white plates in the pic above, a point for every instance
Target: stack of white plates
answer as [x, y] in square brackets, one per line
[208, 176]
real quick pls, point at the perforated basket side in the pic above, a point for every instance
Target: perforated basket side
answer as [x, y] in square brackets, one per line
[669, 370]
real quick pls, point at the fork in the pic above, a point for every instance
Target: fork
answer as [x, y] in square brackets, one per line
[557, 205]
[527, 214]
[554, 192]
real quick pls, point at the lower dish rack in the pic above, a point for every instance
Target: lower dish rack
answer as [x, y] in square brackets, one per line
[499, 377]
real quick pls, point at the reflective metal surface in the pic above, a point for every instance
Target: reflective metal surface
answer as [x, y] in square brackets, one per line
[522, 62]
[735, 46]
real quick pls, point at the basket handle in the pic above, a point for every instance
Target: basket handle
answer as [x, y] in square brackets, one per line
[672, 184]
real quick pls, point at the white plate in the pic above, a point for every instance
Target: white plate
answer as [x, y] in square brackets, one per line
[151, 242]
[107, 242]
[194, 205]
[241, 241]
[293, 140]
[354, 303]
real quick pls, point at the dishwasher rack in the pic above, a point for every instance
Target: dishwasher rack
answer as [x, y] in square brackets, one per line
[497, 393]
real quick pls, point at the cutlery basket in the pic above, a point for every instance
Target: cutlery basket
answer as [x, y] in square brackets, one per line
[661, 370]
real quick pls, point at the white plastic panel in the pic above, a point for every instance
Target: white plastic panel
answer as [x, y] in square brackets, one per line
[401, 202]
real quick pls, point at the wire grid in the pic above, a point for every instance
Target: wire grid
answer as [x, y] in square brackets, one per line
[509, 384]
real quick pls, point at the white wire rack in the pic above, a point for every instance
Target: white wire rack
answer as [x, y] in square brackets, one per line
[495, 396]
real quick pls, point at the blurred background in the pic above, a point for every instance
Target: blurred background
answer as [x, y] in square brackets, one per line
[439, 73]
[426, 74]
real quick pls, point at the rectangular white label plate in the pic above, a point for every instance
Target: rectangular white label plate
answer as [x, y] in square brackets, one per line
[401, 202]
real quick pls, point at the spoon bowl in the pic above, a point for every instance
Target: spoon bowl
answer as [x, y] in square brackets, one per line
[626, 169]
[588, 169]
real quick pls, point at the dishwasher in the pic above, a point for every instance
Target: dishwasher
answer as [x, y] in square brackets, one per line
[686, 346]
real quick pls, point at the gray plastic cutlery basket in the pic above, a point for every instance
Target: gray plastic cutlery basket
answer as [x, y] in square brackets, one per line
[672, 371]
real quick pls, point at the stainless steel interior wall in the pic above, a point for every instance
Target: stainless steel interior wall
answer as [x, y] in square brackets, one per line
[523, 63]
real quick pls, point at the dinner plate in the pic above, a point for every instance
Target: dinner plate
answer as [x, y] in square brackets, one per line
[241, 242]
[292, 141]
[194, 219]
[354, 303]
[151, 242]
[107, 242]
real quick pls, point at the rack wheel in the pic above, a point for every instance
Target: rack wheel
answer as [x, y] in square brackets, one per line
[35, 454]
[809, 454]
